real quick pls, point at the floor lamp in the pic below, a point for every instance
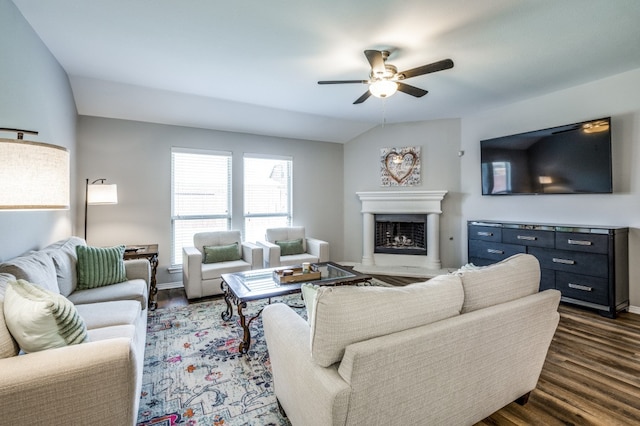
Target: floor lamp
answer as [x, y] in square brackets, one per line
[98, 193]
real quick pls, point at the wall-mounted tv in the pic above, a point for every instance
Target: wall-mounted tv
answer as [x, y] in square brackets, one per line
[570, 159]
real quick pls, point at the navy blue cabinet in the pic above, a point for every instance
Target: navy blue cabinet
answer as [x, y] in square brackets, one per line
[588, 264]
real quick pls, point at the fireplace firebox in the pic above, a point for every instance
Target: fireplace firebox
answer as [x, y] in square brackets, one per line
[401, 234]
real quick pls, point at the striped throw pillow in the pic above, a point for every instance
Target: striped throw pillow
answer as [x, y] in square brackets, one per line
[39, 319]
[100, 266]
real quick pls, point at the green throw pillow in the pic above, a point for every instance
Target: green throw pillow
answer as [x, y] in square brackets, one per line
[98, 266]
[39, 319]
[215, 254]
[289, 247]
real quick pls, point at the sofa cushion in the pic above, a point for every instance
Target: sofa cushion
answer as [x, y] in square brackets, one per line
[63, 254]
[290, 247]
[224, 253]
[127, 290]
[309, 293]
[39, 319]
[8, 345]
[36, 268]
[512, 278]
[100, 266]
[108, 314]
[350, 314]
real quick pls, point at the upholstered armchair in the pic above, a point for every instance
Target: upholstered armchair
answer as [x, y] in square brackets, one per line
[213, 254]
[289, 246]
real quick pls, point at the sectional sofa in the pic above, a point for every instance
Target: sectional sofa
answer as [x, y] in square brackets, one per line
[96, 382]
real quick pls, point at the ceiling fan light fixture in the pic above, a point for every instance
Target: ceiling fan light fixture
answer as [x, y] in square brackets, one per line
[383, 88]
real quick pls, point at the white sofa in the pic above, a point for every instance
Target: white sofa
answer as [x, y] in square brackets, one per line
[313, 250]
[97, 382]
[202, 279]
[449, 351]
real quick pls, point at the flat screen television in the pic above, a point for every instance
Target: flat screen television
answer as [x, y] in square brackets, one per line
[570, 159]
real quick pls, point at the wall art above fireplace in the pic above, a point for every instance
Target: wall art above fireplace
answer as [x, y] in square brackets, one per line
[400, 166]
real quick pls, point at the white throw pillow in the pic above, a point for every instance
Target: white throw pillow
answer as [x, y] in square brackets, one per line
[39, 319]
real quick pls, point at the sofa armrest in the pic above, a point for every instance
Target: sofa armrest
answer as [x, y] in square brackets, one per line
[89, 383]
[270, 253]
[318, 248]
[252, 253]
[310, 394]
[138, 269]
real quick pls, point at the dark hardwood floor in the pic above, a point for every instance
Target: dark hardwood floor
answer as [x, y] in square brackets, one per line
[591, 375]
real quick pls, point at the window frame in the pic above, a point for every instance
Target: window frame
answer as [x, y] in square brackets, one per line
[176, 263]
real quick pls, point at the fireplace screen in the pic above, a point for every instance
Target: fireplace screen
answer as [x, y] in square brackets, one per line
[401, 234]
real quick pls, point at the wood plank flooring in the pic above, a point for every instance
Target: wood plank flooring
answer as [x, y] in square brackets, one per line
[591, 375]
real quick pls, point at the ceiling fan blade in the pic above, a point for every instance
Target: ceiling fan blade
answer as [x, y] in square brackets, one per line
[363, 98]
[445, 64]
[376, 60]
[343, 81]
[411, 90]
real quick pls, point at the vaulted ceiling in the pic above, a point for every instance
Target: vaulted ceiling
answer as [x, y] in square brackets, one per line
[252, 66]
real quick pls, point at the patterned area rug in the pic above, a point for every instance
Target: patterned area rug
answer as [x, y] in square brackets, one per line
[194, 375]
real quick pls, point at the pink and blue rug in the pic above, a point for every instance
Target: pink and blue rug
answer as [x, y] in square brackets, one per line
[194, 375]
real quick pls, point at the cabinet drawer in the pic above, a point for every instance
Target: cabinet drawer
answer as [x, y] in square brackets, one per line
[583, 287]
[572, 261]
[528, 237]
[547, 279]
[478, 261]
[493, 251]
[485, 233]
[590, 243]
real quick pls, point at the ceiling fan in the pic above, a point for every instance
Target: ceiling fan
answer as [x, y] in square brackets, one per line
[385, 80]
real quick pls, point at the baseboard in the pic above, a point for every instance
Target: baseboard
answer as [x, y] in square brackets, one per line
[634, 309]
[169, 286]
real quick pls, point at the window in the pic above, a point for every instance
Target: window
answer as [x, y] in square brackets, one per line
[200, 195]
[267, 194]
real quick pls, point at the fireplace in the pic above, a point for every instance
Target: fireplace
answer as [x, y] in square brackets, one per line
[413, 249]
[401, 234]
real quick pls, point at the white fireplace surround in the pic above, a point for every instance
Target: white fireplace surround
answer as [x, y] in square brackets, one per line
[401, 202]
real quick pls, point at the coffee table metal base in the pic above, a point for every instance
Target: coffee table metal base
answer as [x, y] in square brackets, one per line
[245, 344]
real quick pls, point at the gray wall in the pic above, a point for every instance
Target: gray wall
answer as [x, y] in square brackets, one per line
[618, 97]
[439, 142]
[35, 95]
[137, 157]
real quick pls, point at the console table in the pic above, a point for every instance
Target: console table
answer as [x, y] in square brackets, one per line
[149, 252]
[588, 264]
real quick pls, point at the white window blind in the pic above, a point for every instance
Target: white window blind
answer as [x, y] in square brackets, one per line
[200, 195]
[267, 194]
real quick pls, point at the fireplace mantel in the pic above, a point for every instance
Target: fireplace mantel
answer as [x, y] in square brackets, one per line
[400, 202]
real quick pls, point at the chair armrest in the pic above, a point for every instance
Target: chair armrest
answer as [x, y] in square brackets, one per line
[192, 272]
[89, 383]
[138, 269]
[252, 253]
[318, 248]
[270, 254]
[301, 385]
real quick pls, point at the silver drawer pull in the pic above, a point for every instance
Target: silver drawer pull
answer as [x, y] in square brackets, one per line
[564, 261]
[495, 251]
[527, 237]
[580, 287]
[485, 234]
[579, 242]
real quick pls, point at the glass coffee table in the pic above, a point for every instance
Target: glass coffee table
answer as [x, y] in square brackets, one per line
[258, 284]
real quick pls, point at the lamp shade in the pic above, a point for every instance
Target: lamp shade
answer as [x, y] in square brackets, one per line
[33, 176]
[102, 194]
[383, 88]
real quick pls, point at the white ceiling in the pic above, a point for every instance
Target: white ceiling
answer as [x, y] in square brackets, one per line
[253, 65]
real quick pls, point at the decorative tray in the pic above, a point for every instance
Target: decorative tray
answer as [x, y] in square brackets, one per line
[295, 277]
